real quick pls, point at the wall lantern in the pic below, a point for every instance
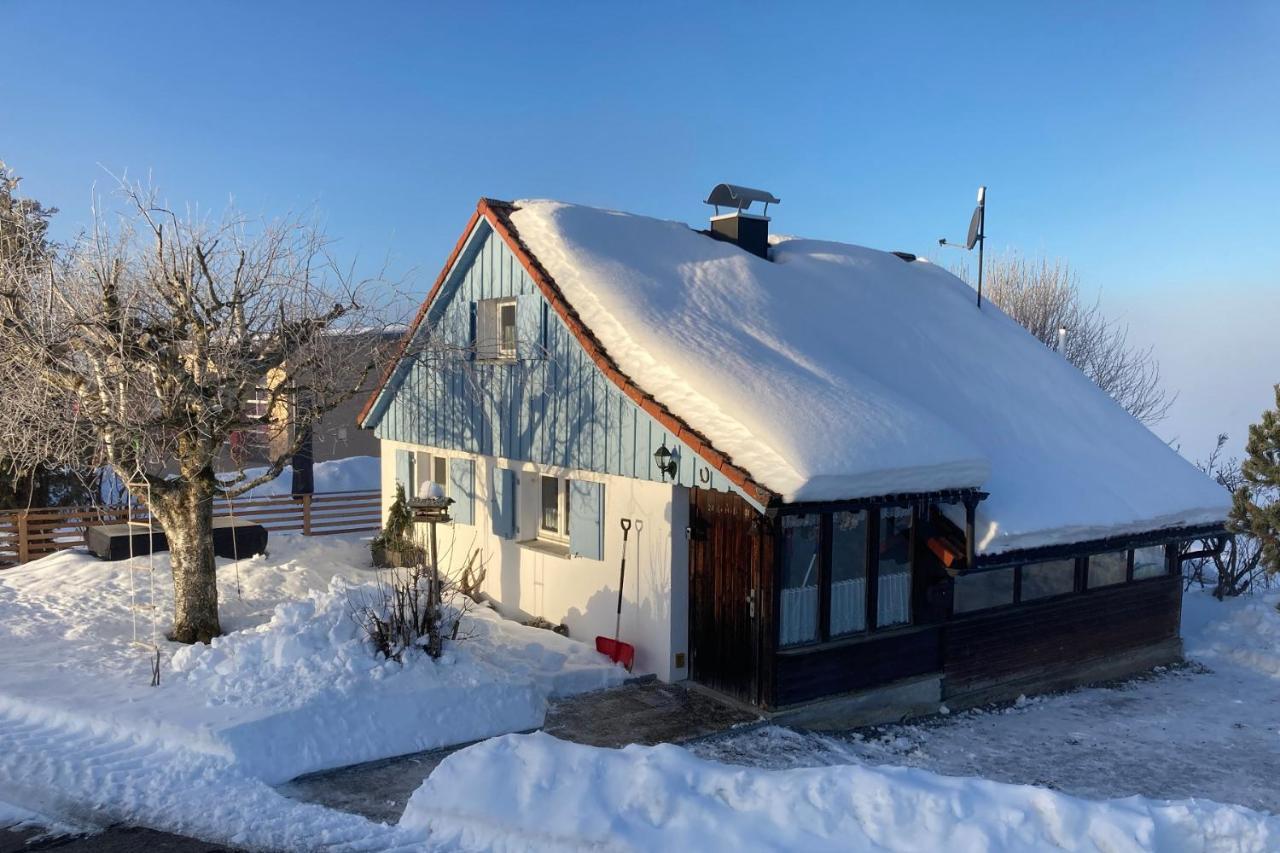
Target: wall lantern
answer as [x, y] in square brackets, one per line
[666, 462]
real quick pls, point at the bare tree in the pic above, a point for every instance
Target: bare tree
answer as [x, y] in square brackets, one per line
[1236, 560]
[141, 346]
[24, 225]
[1044, 297]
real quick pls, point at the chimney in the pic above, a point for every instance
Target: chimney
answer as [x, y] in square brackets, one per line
[748, 230]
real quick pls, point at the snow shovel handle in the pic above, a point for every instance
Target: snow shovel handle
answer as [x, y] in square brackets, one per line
[622, 574]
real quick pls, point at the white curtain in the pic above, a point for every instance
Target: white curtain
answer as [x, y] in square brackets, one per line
[894, 606]
[848, 606]
[799, 617]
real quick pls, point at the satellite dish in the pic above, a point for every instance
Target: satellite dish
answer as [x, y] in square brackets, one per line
[975, 225]
[977, 235]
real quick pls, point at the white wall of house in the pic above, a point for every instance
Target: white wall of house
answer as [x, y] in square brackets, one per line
[527, 580]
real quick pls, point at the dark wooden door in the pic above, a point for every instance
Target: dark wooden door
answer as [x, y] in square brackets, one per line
[730, 558]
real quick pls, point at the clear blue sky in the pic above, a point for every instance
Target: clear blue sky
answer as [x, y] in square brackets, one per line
[1140, 143]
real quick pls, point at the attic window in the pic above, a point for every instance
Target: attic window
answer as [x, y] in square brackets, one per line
[507, 329]
[496, 330]
[906, 256]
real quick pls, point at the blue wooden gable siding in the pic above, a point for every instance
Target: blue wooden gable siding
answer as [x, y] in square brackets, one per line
[555, 409]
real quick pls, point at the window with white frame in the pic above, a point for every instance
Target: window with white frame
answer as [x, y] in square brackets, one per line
[496, 329]
[429, 475]
[259, 406]
[553, 516]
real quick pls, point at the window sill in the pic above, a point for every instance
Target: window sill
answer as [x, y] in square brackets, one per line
[856, 639]
[543, 546]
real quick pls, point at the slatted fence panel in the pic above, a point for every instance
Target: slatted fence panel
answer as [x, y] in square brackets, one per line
[31, 534]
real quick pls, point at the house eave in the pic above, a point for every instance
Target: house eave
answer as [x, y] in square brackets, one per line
[902, 499]
[1120, 542]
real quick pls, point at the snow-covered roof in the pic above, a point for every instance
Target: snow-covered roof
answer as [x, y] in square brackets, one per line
[836, 372]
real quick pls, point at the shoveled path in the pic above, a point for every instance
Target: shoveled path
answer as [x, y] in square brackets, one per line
[645, 712]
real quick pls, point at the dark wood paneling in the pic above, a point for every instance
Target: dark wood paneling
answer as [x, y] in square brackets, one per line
[804, 674]
[987, 648]
[1018, 640]
[730, 543]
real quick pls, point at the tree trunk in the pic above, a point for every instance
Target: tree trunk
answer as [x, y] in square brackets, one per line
[187, 518]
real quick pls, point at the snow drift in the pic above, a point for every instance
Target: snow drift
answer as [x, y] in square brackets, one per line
[1243, 631]
[556, 795]
[352, 474]
[292, 687]
[835, 371]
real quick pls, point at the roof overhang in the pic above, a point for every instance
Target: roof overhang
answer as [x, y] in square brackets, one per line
[945, 496]
[497, 215]
[1120, 542]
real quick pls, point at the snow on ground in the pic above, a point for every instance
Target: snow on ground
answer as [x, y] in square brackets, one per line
[291, 688]
[1209, 730]
[556, 795]
[353, 474]
[1092, 769]
[904, 384]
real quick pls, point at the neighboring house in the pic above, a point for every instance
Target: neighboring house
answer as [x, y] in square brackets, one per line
[845, 474]
[336, 436]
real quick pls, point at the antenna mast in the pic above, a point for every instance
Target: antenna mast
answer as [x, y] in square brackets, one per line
[977, 235]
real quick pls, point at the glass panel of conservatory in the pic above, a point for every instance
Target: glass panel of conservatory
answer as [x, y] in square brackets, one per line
[893, 601]
[798, 620]
[1149, 562]
[980, 590]
[848, 572]
[1108, 569]
[1044, 580]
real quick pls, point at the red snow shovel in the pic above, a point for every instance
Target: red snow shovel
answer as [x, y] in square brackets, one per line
[616, 650]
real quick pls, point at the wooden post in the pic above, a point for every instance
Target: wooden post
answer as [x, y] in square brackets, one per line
[24, 543]
[970, 535]
[306, 515]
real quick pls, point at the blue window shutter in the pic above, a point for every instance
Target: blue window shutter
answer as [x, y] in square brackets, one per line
[502, 503]
[586, 519]
[404, 472]
[473, 344]
[462, 478]
[530, 341]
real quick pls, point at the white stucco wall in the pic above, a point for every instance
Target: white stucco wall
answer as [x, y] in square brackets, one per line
[582, 593]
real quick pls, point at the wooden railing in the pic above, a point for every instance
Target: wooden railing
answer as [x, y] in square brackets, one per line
[30, 534]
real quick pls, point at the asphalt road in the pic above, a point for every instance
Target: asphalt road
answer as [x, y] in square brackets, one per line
[124, 839]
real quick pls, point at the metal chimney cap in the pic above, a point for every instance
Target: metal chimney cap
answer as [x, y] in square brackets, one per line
[740, 198]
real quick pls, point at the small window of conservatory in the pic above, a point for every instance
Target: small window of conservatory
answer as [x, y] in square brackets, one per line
[1045, 580]
[1108, 569]
[798, 619]
[1149, 562]
[980, 590]
[848, 572]
[893, 604]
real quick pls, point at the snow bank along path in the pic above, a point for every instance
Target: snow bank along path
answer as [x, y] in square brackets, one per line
[837, 371]
[291, 688]
[555, 795]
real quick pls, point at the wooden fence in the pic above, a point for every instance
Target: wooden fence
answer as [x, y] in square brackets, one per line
[30, 534]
